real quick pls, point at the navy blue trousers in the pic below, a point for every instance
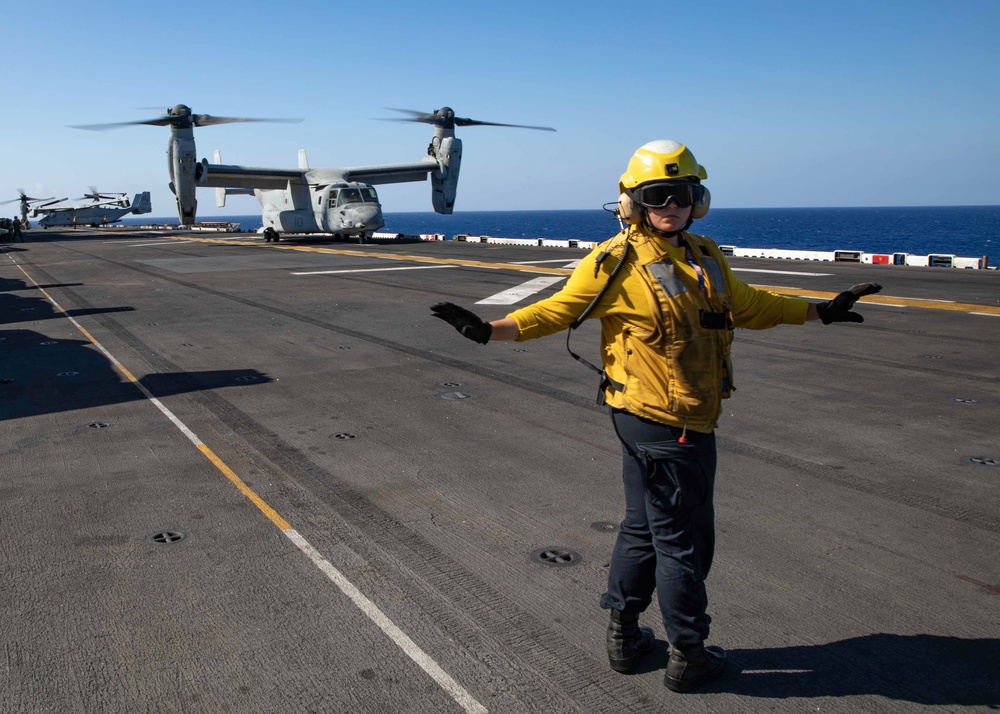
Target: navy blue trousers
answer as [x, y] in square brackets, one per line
[667, 538]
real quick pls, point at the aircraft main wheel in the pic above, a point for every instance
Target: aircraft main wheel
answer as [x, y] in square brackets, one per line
[364, 238]
[270, 235]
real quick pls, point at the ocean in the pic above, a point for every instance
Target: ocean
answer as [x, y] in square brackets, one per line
[965, 231]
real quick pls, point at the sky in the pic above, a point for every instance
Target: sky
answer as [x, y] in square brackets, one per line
[785, 103]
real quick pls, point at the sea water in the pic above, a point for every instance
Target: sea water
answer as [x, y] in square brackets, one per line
[965, 231]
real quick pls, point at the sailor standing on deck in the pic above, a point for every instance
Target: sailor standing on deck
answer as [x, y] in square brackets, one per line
[668, 304]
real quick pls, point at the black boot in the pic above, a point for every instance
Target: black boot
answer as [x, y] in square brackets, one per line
[691, 668]
[627, 642]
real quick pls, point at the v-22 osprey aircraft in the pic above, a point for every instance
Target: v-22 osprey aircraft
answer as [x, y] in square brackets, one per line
[337, 201]
[103, 210]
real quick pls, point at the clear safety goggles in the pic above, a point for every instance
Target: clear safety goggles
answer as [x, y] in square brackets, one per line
[658, 195]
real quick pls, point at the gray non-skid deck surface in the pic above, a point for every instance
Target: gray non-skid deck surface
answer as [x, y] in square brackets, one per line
[856, 567]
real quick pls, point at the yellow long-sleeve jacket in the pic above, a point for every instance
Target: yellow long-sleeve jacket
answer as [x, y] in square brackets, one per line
[666, 323]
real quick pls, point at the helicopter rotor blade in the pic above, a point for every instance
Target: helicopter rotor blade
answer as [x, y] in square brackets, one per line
[459, 121]
[27, 199]
[445, 117]
[181, 116]
[159, 121]
[209, 120]
[416, 116]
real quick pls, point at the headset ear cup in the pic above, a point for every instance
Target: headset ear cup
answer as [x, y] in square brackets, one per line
[627, 210]
[700, 209]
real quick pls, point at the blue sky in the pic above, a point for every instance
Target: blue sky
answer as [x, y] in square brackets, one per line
[787, 104]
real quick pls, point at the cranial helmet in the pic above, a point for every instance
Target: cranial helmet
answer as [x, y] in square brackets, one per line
[661, 160]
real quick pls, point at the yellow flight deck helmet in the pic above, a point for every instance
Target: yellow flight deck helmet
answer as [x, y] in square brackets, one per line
[661, 160]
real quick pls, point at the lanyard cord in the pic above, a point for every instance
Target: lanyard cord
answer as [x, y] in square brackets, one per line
[697, 269]
[590, 308]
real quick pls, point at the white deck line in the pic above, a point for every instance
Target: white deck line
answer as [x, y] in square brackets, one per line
[518, 293]
[374, 270]
[776, 272]
[462, 697]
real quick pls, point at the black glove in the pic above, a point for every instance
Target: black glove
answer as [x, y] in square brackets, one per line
[838, 309]
[466, 322]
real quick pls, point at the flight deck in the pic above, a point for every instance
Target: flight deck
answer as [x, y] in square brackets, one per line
[262, 477]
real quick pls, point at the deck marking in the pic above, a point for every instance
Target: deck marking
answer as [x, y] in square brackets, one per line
[515, 294]
[141, 245]
[795, 292]
[462, 697]
[382, 256]
[374, 270]
[894, 300]
[777, 272]
[568, 264]
[135, 240]
[457, 692]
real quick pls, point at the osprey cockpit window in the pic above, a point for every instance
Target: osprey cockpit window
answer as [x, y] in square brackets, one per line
[350, 195]
[333, 197]
[365, 194]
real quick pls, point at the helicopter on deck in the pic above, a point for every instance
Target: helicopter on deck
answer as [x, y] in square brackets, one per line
[102, 210]
[336, 201]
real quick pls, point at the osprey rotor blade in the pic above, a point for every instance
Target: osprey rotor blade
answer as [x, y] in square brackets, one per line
[160, 121]
[414, 116]
[181, 117]
[459, 121]
[209, 120]
[24, 198]
[445, 117]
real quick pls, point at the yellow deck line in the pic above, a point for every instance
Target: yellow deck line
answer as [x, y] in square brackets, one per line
[877, 299]
[384, 256]
[892, 300]
[365, 604]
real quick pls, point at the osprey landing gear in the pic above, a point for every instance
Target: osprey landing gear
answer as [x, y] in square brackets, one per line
[271, 235]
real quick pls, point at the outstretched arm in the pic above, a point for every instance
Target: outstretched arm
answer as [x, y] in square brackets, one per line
[472, 326]
[505, 329]
[839, 309]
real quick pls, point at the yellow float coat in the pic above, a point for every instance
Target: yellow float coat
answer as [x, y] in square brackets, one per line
[670, 367]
